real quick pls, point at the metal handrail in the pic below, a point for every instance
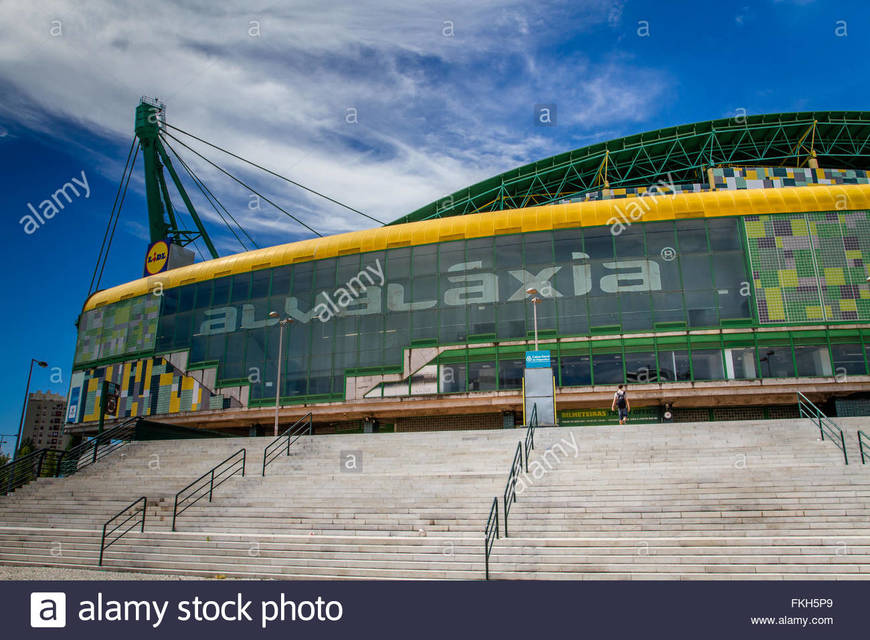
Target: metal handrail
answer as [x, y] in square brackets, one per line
[490, 532]
[98, 447]
[808, 410]
[211, 476]
[103, 545]
[861, 438]
[295, 431]
[510, 490]
[530, 434]
[25, 469]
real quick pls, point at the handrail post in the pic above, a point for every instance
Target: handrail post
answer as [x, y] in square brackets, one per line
[175, 512]
[211, 485]
[144, 510]
[102, 544]
[244, 460]
[843, 444]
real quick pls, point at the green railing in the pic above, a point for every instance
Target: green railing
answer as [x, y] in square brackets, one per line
[42, 463]
[281, 444]
[530, 433]
[98, 447]
[132, 513]
[510, 490]
[826, 426]
[490, 533]
[863, 447]
[209, 481]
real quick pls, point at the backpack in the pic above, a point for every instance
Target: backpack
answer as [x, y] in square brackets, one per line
[620, 399]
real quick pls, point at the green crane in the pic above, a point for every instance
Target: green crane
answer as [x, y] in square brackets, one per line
[162, 222]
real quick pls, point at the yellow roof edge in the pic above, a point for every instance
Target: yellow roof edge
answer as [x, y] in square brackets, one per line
[708, 204]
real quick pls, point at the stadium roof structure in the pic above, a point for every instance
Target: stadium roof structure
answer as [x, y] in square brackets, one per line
[681, 154]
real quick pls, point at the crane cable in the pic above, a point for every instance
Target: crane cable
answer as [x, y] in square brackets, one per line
[111, 216]
[209, 196]
[246, 186]
[277, 175]
[117, 216]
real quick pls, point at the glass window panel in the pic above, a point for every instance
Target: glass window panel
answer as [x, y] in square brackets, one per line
[452, 377]
[260, 281]
[482, 376]
[220, 292]
[692, 236]
[702, 308]
[740, 363]
[848, 359]
[324, 275]
[636, 311]
[724, 234]
[538, 249]
[452, 324]
[347, 267]
[424, 324]
[696, 271]
[203, 295]
[510, 374]
[186, 297]
[674, 365]
[598, 243]
[659, 235]
[508, 252]
[707, 364]
[510, 321]
[812, 361]
[775, 361]
[165, 333]
[481, 318]
[241, 287]
[607, 368]
[604, 310]
[565, 243]
[170, 302]
[281, 281]
[572, 315]
[575, 371]
[630, 243]
[425, 259]
[640, 367]
[668, 306]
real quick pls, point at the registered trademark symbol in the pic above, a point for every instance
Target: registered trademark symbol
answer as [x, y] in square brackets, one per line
[668, 253]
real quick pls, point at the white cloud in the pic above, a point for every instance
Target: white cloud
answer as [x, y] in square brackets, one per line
[436, 112]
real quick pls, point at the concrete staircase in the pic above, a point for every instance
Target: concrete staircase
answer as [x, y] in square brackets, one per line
[745, 500]
[708, 500]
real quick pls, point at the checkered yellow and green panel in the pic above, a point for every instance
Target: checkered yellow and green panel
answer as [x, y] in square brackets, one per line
[810, 267]
[775, 177]
[127, 327]
[149, 386]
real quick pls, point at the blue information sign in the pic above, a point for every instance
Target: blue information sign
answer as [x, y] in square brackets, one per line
[537, 359]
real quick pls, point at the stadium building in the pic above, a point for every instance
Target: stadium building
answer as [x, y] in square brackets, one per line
[715, 268]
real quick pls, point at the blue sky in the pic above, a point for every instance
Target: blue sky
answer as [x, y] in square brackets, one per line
[443, 94]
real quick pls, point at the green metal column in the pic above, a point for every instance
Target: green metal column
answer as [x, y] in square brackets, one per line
[146, 131]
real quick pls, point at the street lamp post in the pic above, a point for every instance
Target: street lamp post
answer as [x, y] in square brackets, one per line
[282, 323]
[42, 364]
[535, 302]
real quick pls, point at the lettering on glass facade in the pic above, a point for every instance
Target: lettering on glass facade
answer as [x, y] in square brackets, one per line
[473, 286]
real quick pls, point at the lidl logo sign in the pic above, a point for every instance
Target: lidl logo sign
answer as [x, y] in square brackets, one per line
[47, 609]
[537, 359]
[157, 258]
